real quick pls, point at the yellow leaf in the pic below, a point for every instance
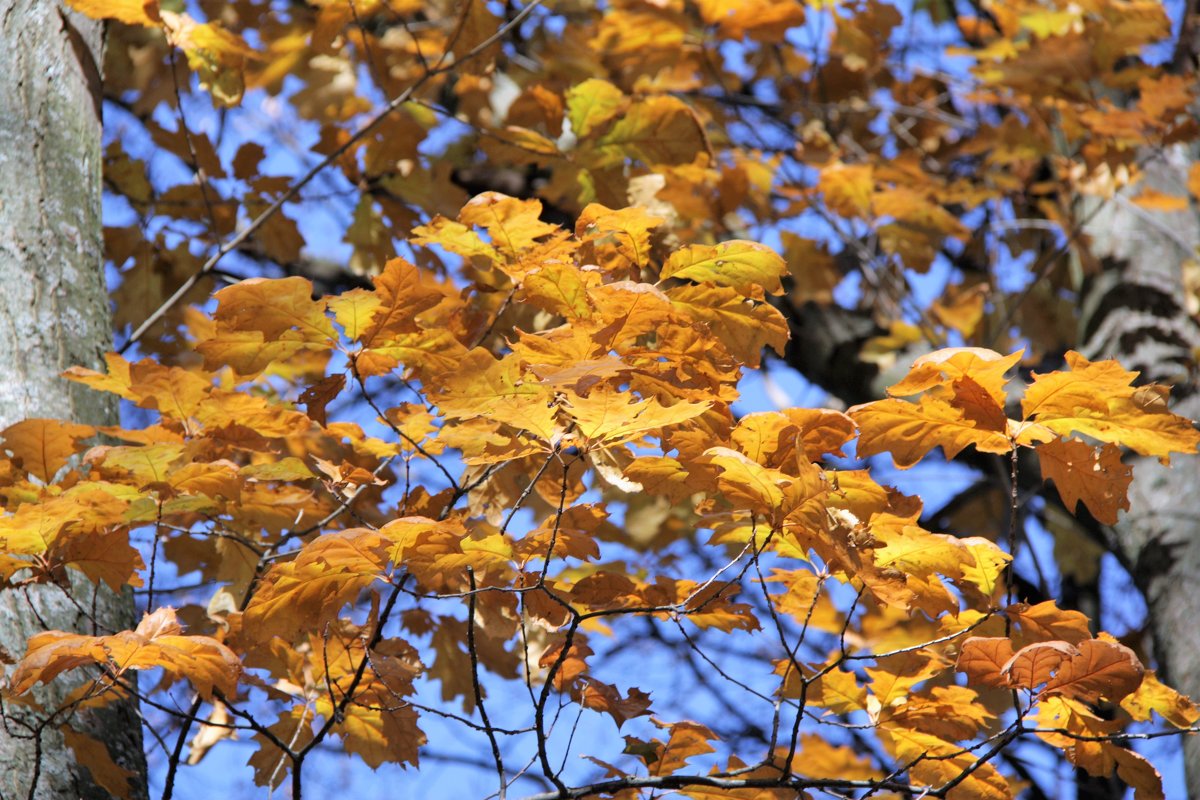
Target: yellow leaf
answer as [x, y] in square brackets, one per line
[218, 56]
[620, 239]
[910, 430]
[561, 289]
[935, 762]
[744, 327]
[1154, 696]
[817, 758]
[941, 368]
[747, 267]
[607, 416]
[512, 224]
[1097, 399]
[260, 321]
[592, 103]
[486, 387]
[847, 189]
[354, 310]
[131, 12]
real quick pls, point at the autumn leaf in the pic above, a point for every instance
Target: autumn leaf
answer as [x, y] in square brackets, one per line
[259, 322]
[983, 660]
[910, 430]
[746, 267]
[44, 446]
[606, 417]
[1101, 669]
[607, 699]
[92, 754]
[1154, 696]
[326, 574]
[1047, 622]
[157, 642]
[1036, 664]
[659, 130]
[935, 762]
[131, 12]
[1098, 399]
[1083, 473]
[744, 328]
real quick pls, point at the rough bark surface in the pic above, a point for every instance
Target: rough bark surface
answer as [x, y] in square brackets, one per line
[53, 314]
[1136, 312]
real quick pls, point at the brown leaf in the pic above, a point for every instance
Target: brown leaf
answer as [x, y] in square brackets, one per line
[1035, 664]
[1103, 669]
[983, 659]
[1094, 475]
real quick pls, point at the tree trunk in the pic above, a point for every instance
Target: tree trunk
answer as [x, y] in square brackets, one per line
[1136, 312]
[54, 314]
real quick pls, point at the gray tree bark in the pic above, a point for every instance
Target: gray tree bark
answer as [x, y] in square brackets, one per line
[54, 314]
[1137, 311]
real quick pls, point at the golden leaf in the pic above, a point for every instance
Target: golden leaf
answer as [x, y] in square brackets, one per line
[746, 267]
[1097, 399]
[44, 446]
[131, 12]
[157, 642]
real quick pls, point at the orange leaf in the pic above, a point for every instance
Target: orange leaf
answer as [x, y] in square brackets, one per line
[1047, 622]
[910, 430]
[983, 659]
[1035, 664]
[260, 321]
[43, 446]
[607, 699]
[310, 590]
[1103, 669]
[1094, 475]
[94, 755]
[157, 642]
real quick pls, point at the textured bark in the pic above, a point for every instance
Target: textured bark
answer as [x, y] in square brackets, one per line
[1135, 311]
[53, 314]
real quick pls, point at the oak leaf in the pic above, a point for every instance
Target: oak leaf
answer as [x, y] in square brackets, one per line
[746, 267]
[43, 446]
[157, 642]
[1098, 399]
[1094, 476]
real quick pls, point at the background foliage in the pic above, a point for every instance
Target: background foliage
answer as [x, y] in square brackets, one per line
[433, 320]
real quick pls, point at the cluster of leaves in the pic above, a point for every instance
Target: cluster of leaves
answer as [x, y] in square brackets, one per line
[551, 469]
[824, 121]
[565, 421]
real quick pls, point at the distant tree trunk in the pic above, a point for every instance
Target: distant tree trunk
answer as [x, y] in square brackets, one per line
[53, 314]
[1137, 312]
